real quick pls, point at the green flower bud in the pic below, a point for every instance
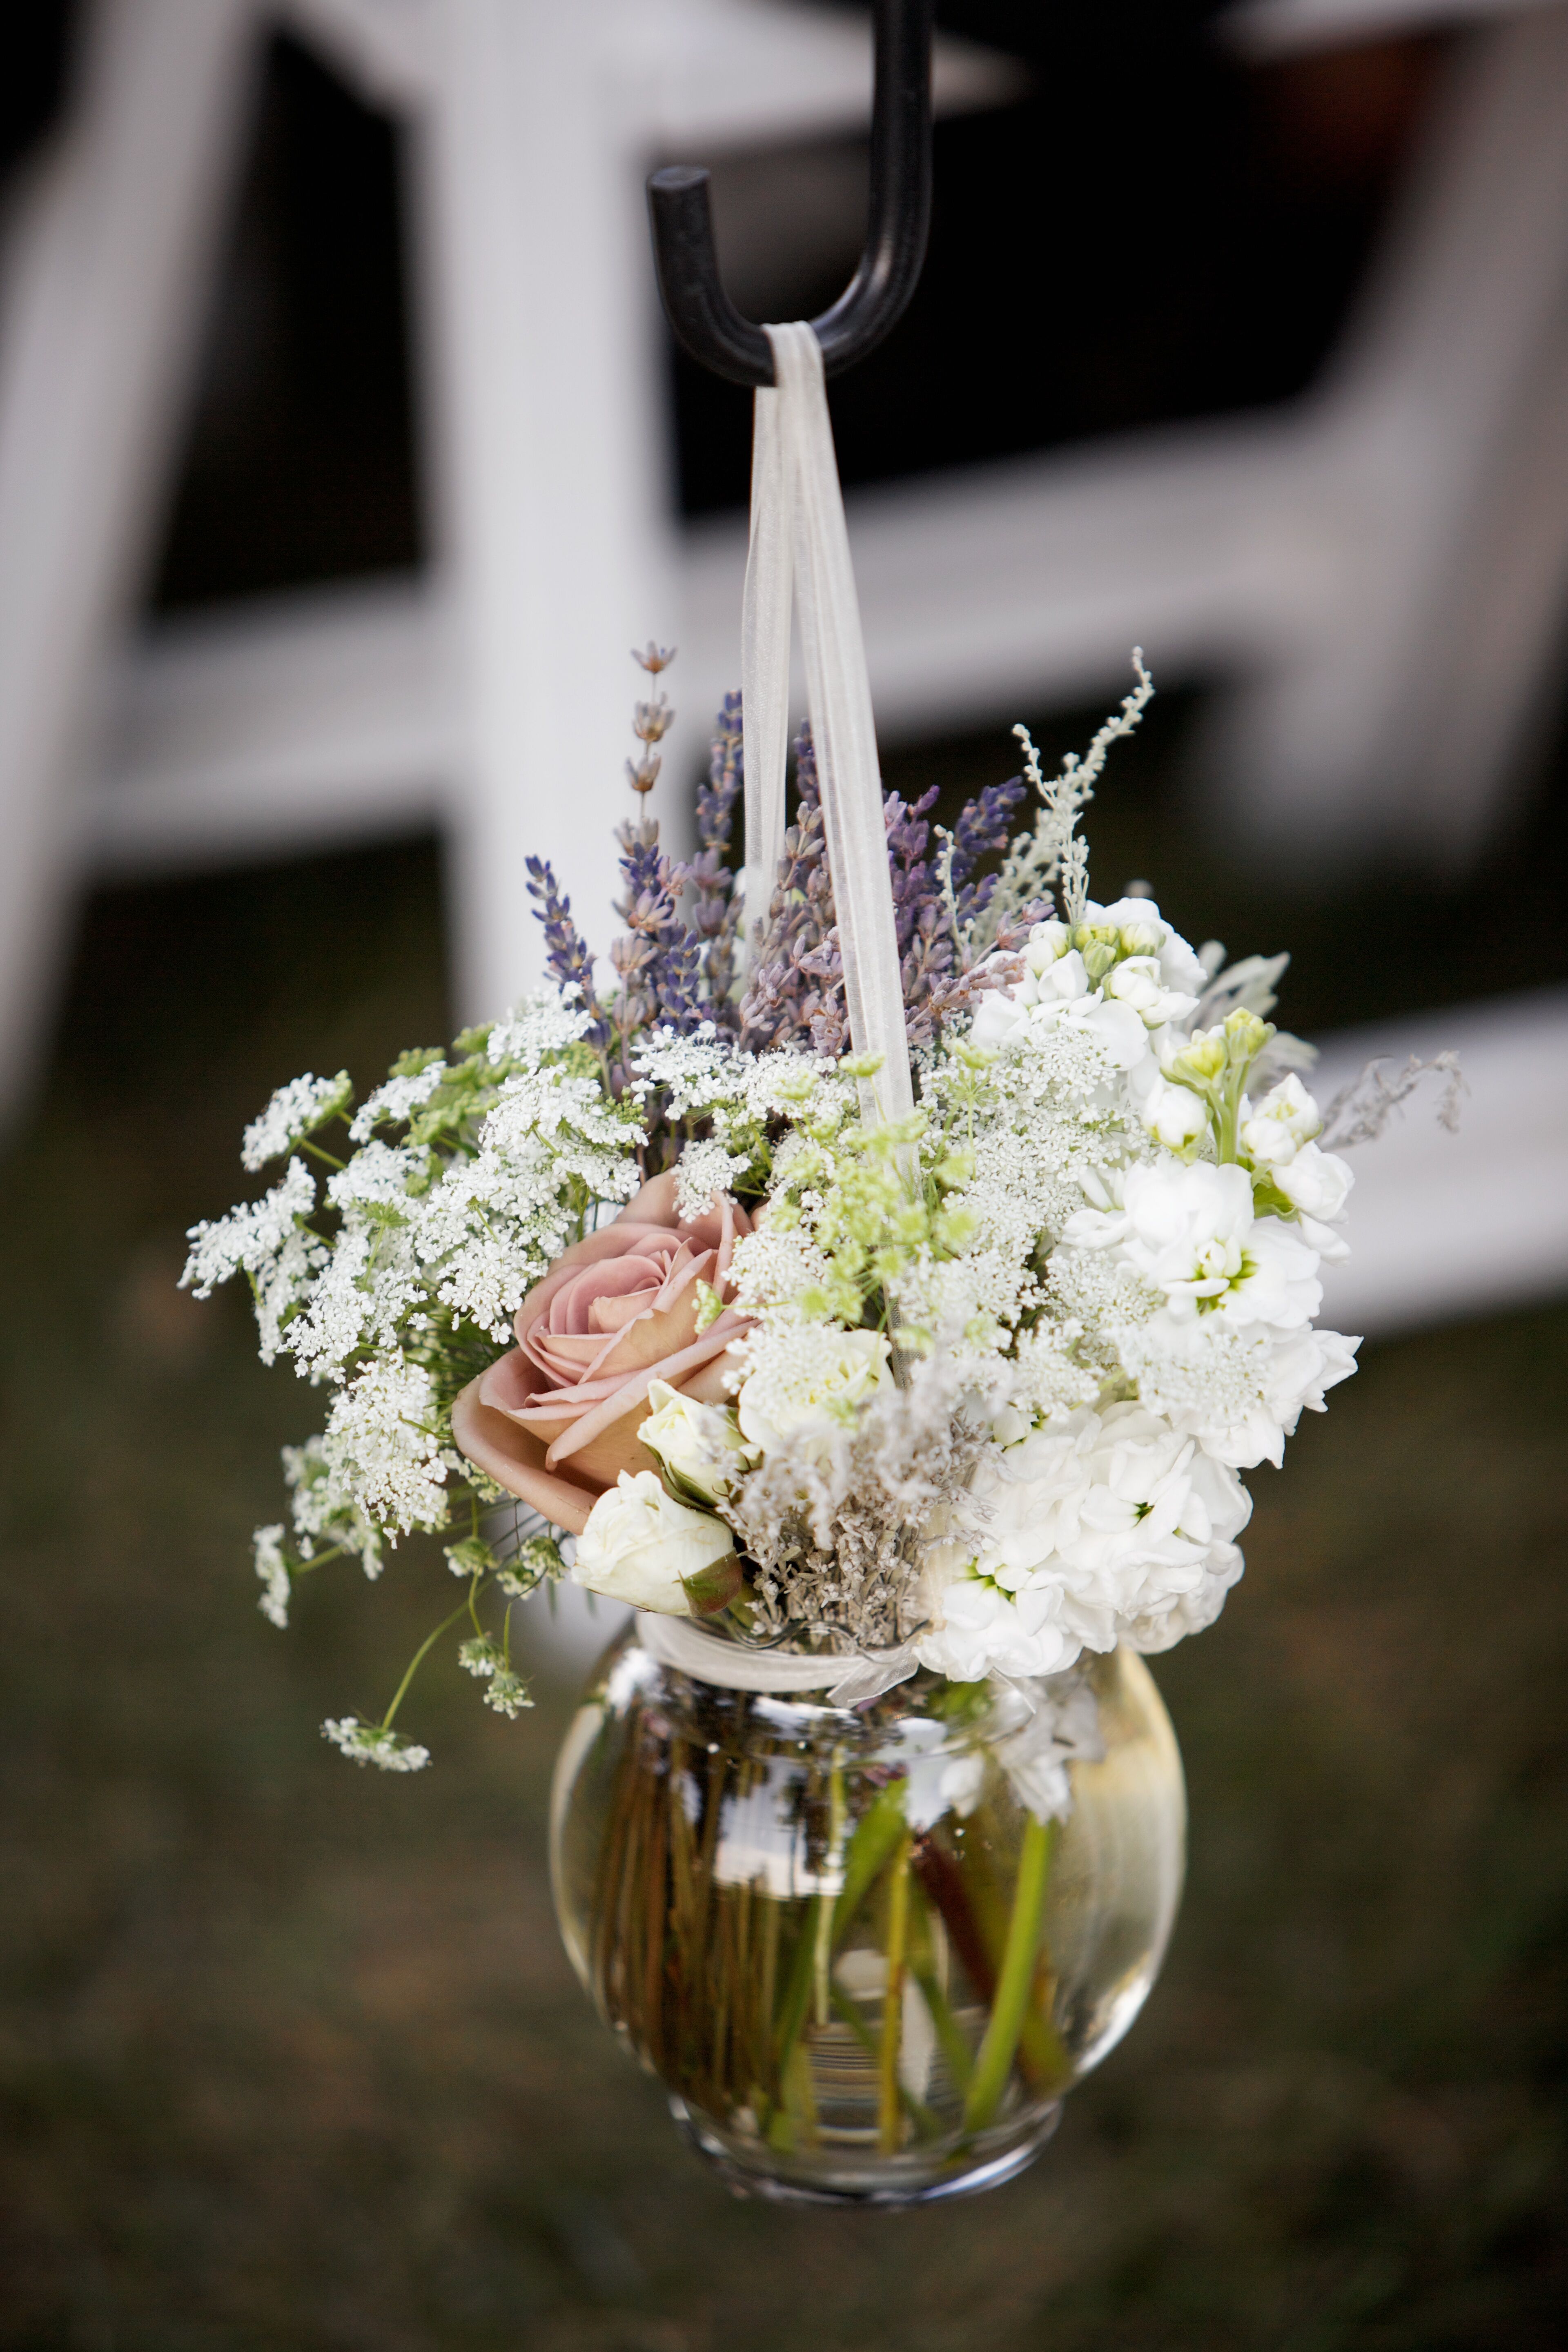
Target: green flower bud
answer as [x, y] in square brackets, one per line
[1089, 935]
[1246, 1036]
[1140, 940]
[1099, 958]
[710, 1306]
[1200, 1063]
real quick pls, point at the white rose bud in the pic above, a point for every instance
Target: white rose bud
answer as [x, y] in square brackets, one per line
[847, 1368]
[1286, 1119]
[641, 1546]
[700, 1445]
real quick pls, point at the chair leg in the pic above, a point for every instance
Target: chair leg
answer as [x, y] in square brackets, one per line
[109, 254]
[1392, 718]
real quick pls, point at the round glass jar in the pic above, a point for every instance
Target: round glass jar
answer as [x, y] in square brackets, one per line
[867, 1949]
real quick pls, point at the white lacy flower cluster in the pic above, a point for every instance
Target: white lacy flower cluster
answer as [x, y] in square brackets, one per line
[505, 1157]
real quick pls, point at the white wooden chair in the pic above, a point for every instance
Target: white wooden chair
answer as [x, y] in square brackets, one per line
[491, 695]
[1381, 570]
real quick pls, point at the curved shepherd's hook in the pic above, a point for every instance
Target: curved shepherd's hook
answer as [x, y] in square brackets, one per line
[705, 320]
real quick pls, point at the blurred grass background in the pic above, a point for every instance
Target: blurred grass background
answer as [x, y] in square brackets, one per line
[290, 2055]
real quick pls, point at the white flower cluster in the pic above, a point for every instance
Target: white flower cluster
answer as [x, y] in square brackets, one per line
[294, 1112]
[505, 1157]
[374, 1743]
[974, 1387]
[1128, 1265]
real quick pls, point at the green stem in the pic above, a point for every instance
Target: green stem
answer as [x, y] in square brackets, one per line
[316, 1151]
[879, 1832]
[417, 1660]
[318, 1560]
[893, 1997]
[1016, 1982]
[954, 2049]
[823, 1957]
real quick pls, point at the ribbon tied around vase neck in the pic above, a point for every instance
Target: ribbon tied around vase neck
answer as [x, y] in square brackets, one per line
[798, 558]
[848, 1681]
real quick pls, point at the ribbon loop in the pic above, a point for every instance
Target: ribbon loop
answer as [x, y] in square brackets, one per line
[799, 555]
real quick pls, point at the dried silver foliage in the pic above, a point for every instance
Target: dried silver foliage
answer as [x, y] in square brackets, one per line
[832, 1525]
[1360, 1112]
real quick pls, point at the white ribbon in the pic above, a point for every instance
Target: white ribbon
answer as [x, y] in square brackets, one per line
[728, 1666]
[800, 552]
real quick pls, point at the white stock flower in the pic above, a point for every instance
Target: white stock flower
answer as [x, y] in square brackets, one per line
[1175, 1116]
[1239, 1393]
[1316, 1183]
[1179, 964]
[1093, 1526]
[1286, 1119]
[700, 1445]
[641, 1546]
[981, 1630]
[1138, 996]
[1191, 1230]
[1138, 981]
[1116, 1029]
[812, 1388]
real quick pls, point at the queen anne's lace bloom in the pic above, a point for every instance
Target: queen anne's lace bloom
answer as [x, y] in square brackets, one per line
[373, 1743]
[295, 1111]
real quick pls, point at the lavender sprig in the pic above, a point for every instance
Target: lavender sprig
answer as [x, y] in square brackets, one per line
[566, 949]
[714, 901]
[984, 825]
[656, 959]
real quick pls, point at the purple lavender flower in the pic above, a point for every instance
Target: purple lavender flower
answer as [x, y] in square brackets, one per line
[984, 825]
[715, 904]
[657, 960]
[565, 949]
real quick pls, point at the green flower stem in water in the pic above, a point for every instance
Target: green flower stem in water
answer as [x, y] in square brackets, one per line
[1041, 2059]
[870, 1849]
[889, 2117]
[875, 1841]
[1015, 1983]
[954, 2049]
[837, 1808]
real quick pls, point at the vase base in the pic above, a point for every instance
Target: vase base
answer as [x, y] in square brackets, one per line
[748, 2169]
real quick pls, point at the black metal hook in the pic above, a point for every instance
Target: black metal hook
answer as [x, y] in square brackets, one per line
[706, 322]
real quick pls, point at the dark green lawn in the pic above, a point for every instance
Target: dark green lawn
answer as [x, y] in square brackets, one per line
[288, 2054]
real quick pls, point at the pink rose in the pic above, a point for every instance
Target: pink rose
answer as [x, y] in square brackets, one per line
[555, 1421]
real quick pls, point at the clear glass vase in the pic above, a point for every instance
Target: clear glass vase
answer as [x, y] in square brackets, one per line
[867, 1950]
